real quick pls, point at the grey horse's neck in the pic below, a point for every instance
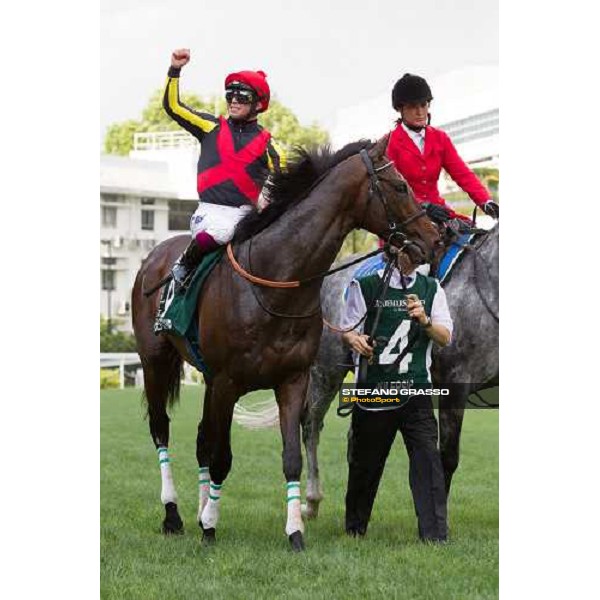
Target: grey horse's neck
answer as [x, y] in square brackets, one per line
[472, 295]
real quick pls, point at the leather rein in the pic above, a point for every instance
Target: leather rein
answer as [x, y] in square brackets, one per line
[396, 235]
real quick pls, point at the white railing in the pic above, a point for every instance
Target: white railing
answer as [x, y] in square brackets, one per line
[159, 140]
[119, 359]
[112, 360]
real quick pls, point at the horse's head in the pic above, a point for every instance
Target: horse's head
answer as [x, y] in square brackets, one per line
[387, 207]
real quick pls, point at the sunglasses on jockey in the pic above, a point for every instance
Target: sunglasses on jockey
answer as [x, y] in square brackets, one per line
[243, 95]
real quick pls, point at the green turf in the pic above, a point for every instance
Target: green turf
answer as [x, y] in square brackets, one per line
[252, 559]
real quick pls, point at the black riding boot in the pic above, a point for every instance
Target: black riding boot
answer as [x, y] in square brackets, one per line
[185, 265]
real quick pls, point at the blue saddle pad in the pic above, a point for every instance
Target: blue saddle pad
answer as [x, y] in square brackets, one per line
[367, 267]
[452, 255]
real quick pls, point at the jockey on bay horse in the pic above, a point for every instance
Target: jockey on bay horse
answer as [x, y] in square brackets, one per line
[237, 155]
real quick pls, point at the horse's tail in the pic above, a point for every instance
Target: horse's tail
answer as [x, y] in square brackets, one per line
[161, 361]
[165, 385]
[173, 376]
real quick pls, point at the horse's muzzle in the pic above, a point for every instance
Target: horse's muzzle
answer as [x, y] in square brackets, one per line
[418, 251]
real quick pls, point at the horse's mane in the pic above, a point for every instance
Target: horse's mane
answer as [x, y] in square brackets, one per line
[286, 189]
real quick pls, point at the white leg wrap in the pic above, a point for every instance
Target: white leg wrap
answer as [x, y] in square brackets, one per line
[167, 493]
[210, 513]
[203, 488]
[294, 513]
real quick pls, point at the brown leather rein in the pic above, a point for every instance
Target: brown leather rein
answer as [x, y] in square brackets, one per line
[257, 280]
[374, 189]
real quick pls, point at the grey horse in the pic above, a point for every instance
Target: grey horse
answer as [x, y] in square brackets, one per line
[469, 364]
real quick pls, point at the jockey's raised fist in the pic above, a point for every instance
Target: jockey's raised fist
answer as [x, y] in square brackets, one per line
[180, 57]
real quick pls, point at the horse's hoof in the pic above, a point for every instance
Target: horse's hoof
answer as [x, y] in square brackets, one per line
[172, 525]
[297, 541]
[169, 529]
[209, 537]
[356, 532]
[310, 510]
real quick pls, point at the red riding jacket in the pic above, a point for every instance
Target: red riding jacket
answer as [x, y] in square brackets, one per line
[422, 171]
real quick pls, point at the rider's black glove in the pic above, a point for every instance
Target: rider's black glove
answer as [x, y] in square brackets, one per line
[492, 209]
[436, 213]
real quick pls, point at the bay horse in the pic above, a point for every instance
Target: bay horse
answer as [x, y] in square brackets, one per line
[262, 338]
[470, 363]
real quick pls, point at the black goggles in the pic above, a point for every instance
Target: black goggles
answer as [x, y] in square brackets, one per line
[242, 96]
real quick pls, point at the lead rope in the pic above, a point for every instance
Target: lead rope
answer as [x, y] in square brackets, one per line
[343, 410]
[363, 362]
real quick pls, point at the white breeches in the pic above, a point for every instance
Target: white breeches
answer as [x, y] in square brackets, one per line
[217, 221]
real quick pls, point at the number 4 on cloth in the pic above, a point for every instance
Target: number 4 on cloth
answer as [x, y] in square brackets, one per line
[387, 357]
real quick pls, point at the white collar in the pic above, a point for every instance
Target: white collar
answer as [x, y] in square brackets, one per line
[414, 133]
[395, 281]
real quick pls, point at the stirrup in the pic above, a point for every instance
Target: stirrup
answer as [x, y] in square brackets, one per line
[185, 266]
[181, 276]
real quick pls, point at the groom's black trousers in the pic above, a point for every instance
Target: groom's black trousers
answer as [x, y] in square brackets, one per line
[370, 438]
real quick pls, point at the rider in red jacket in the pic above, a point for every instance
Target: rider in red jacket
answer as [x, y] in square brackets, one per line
[420, 152]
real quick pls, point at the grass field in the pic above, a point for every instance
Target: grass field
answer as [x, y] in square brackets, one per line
[252, 558]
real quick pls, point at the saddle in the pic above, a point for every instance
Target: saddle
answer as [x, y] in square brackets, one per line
[457, 236]
[177, 309]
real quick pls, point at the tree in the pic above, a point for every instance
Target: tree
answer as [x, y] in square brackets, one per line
[119, 137]
[490, 177]
[279, 120]
[286, 128]
[115, 341]
[358, 241]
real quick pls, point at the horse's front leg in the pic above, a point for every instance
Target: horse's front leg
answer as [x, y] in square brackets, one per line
[216, 426]
[290, 397]
[203, 455]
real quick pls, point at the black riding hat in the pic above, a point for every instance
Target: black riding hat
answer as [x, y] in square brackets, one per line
[410, 88]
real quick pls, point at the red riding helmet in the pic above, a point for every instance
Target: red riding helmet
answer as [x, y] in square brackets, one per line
[257, 80]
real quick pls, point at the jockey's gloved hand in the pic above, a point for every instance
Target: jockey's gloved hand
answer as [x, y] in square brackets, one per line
[492, 209]
[436, 213]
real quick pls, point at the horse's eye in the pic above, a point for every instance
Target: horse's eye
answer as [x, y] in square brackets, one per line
[400, 186]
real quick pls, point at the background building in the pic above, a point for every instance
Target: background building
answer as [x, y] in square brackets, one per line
[142, 202]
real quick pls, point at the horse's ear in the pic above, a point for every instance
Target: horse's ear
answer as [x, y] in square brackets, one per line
[380, 147]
